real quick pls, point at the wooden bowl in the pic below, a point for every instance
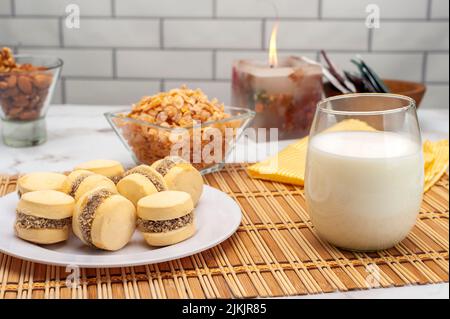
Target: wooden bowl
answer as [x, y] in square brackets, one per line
[414, 90]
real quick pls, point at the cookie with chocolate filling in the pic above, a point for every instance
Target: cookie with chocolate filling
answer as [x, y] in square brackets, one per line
[81, 181]
[166, 218]
[44, 217]
[40, 181]
[104, 220]
[180, 176]
[109, 168]
[139, 182]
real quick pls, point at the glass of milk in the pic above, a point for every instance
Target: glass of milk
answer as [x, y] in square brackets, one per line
[364, 173]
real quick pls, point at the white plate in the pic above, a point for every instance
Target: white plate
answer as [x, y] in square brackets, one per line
[217, 218]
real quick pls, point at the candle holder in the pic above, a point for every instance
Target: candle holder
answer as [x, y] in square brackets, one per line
[283, 97]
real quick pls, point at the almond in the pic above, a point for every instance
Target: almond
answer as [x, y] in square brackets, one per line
[29, 115]
[3, 85]
[42, 81]
[24, 84]
[20, 101]
[11, 92]
[11, 80]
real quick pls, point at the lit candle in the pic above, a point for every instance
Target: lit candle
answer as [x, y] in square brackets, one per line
[284, 92]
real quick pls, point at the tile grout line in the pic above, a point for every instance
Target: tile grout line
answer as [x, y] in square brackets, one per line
[370, 40]
[228, 49]
[114, 63]
[13, 8]
[61, 32]
[228, 18]
[424, 66]
[263, 33]
[319, 9]
[63, 90]
[113, 8]
[214, 64]
[214, 9]
[161, 33]
[429, 6]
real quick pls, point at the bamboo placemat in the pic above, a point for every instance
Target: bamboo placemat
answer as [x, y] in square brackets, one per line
[275, 252]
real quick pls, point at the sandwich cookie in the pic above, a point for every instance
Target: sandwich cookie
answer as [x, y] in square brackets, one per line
[139, 182]
[166, 218]
[180, 176]
[109, 168]
[80, 182]
[44, 217]
[104, 220]
[39, 181]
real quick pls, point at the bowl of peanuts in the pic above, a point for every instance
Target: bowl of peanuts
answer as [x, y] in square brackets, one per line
[181, 122]
[26, 88]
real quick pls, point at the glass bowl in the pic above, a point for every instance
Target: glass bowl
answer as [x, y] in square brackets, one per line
[205, 145]
[25, 96]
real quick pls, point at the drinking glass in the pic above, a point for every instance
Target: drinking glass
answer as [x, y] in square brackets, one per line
[25, 96]
[364, 173]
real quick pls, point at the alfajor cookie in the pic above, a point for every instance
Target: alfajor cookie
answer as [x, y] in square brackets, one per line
[40, 181]
[109, 168]
[181, 176]
[80, 182]
[104, 220]
[139, 182]
[44, 217]
[166, 218]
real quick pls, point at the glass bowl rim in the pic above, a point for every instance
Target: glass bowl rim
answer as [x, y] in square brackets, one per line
[248, 114]
[321, 108]
[58, 62]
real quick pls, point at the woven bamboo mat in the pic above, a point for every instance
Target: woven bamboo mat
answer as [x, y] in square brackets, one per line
[275, 252]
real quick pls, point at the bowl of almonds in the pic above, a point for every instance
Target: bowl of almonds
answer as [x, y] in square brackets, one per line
[26, 87]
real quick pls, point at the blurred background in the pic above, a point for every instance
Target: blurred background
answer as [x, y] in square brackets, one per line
[125, 49]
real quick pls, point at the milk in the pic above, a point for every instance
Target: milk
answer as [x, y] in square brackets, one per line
[363, 189]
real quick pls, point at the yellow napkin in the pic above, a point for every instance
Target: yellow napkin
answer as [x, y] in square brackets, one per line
[435, 155]
[288, 166]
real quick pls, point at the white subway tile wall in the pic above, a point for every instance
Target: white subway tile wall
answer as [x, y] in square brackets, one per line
[411, 36]
[166, 64]
[79, 62]
[96, 32]
[5, 7]
[114, 92]
[437, 96]
[58, 7]
[404, 9]
[163, 8]
[212, 33]
[264, 8]
[437, 67]
[313, 35]
[125, 49]
[34, 31]
[439, 9]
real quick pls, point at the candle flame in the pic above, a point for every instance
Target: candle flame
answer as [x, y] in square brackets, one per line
[273, 58]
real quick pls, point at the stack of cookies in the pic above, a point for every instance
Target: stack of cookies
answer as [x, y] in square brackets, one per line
[103, 204]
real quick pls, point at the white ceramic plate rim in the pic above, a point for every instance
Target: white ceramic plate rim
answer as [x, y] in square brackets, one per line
[30, 252]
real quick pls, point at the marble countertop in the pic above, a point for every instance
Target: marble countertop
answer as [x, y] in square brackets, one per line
[80, 133]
